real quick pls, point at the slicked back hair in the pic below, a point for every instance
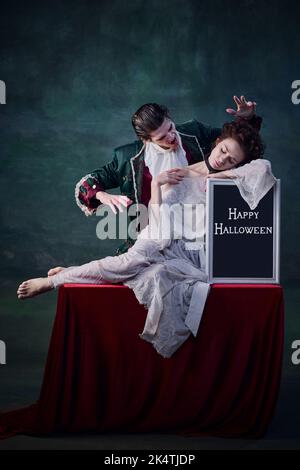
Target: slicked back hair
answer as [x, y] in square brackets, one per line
[148, 118]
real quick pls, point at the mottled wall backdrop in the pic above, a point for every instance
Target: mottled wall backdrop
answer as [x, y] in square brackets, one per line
[75, 72]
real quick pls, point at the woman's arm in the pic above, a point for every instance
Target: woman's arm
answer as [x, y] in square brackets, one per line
[166, 179]
[155, 192]
[222, 174]
[155, 200]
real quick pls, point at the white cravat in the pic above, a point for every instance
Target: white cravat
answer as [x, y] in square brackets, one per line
[158, 159]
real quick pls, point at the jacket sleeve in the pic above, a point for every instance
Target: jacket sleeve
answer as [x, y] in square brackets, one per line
[106, 177]
[207, 133]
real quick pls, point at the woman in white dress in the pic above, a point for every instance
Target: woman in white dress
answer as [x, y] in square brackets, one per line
[167, 273]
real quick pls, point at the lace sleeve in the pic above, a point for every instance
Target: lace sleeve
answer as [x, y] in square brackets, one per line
[254, 180]
[175, 193]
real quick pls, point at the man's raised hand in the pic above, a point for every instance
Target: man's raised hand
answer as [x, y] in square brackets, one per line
[244, 109]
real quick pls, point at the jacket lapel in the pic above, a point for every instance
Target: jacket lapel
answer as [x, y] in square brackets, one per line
[191, 142]
[137, 163]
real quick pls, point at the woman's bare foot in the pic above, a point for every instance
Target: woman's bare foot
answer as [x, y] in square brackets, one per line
[56, 270]
[34, 287]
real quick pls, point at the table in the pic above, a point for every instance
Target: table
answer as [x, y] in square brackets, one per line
[100, 376]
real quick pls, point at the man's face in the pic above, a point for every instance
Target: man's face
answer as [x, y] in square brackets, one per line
[165, 136]
[226, 154]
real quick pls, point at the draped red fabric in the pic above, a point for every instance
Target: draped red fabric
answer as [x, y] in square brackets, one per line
[101, 376]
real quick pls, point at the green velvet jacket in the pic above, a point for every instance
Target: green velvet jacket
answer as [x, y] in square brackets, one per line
[125, 170]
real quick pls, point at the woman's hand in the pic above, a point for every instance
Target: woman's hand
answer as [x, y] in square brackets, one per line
[245, 109]
[221, 174]
[173, 176]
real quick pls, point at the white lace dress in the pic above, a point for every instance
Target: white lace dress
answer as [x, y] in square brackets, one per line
[167, 273]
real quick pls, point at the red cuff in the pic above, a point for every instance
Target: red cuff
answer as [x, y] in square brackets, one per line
[87, 193]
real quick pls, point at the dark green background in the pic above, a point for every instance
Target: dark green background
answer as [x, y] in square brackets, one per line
[75, 72]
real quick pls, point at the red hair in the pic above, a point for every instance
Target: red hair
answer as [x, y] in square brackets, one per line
[247, 137]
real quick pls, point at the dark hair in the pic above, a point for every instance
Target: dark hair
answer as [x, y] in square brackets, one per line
[148, 118]
[247, 136]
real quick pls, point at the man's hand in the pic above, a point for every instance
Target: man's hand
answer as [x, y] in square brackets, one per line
[245, 109]
[113, 200]
[173, 176]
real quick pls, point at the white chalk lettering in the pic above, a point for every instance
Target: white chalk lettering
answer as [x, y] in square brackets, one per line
[234, 214]
[220, 229]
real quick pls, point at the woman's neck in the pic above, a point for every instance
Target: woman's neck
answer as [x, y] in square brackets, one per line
[198, 169]
[210, 169]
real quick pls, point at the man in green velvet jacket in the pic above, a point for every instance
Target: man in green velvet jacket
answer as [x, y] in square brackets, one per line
[127, 169]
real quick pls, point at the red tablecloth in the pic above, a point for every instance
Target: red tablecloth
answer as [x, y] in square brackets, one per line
[100, 376]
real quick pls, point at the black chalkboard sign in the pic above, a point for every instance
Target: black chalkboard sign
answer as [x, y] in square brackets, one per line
[242, 245]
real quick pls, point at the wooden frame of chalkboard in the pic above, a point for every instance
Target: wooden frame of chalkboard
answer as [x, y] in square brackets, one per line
[242, 245]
